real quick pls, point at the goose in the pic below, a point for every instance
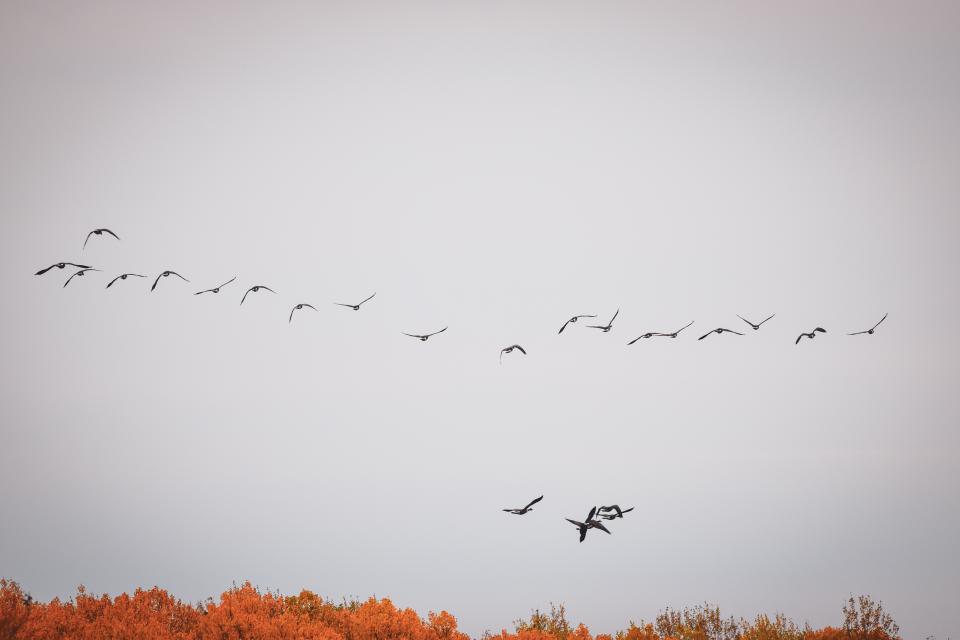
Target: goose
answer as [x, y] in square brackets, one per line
[510, 350]
[166, 274]
[216, 289]
[718, 331]
[98, 232]
[871, 329]
[755, 326]
[572, 320]
[123, 276]
[423, 338]
[811, 335]
[605, 327]
[78, 274]
[355, 307]
[254, 289]
[62, 265]
[529, 507]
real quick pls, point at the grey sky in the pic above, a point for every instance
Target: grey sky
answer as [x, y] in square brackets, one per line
[495, 167]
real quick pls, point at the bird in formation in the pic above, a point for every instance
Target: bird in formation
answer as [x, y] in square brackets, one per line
[755, 326]
[590, 523]
[123, 276]
[167, 274]
[423, 337]
[572, 320]
[811, 335]
[529, 507]
[355, 307]
[216, 289]
[719, 330]
[98, 232]
[298, 307]
[62, 265]
[605, 327]
[79, 274]
[870, 330]
[254, 290]
[612, 512]
[510, 350]
[665, 335]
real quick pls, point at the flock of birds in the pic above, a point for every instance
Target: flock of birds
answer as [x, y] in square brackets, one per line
[596, 514]
[83, 269]
[611, 512]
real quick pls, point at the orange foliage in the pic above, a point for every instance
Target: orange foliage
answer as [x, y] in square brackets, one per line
[247, 613]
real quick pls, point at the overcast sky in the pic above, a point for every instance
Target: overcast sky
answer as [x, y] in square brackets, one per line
[496, 167]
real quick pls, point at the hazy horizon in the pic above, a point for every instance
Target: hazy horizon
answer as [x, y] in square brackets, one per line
[497, 168]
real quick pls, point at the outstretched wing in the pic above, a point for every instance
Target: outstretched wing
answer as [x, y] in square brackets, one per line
[593, 512]
[599, 525]
[705, 335]
[767, 319]
[227, 282]
[245, 295]
[522, 350]
[179, 276]
[533, 502]
[614, 317]
[412, 335]
[798, 338]
[563, 327]
[371, 297]
[110, 232]
[86, 241]
[43, 271]
[857, 333]
[881, 320]
[731, 331]
[679, 330]
[155, 282]
[436, 332]
[71, 278]
[343, 304]
[109, 284]
[634, 340]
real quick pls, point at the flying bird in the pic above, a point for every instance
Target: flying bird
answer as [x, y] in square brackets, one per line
[298, 307]
[607, 513]
[510, 350]
[718, 331]
[78, 273]
[62, 265]
[423, 338]
[98, 232]
[572, 320]
[605, 327]
[164, 275]
[123, 276]
[755, 326]
[870, 330]
[254, 290]
[355, 307]
[589, 524]
[216, 289]
[525, 509]
[651, 334]
[811, 335]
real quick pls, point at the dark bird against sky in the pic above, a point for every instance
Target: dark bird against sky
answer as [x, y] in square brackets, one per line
[123, 276]
[871, 329]
[254, 289]
[525, 509]
[298, 307]
[572, 320]
[217, 288]
[79, 273]
[61, 265]
[755, 326]
[719, 331]
[423, 337]
[167, 274]
[510, 350]
[355, 307]
[98, 232]
[605, 327]
[811, 335]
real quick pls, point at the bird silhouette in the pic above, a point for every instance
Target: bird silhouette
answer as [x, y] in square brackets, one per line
[607, 513]
[718, 331]
[355, 307]
[166, 274]
[605, 327]
[423, 338]
[298, 307]
[98, 232]
[755, 326]
[871, 329]
[529, 507]
[123, 276]
[572, 320]
[254, 289]
[811, 335]
[216, 289]
[589, 524]
[510, 350]
[62, 265]
[652, 334]
[80, 274]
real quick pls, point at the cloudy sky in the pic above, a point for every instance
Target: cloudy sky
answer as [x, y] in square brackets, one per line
[496, 167]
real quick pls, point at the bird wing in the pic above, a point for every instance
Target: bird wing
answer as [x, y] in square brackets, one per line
[112, 281]
[767, 319]
[820, 329]
[343, 304]
[593, 512]
[227, 282]
[360, 303]
[579, 525]
[86, 241]
[43, 271]
[583, 533]
[634, 340]
[309, 306]
[614, 317]
[111, 233]
[522, 350]
[856, 333]
[680, 329]
[798, 338]
[71, 278]
[705, 335]
[745, 320]
[626, 511]
[179, 276]
[267, 288]
[731, 331]
[599, 525]
[533, 502]
[245, 295]
[412, 335]
[596, 326]
[155, 282]
[881, 320]
[436, 332]
[291, 313]
[563, 327]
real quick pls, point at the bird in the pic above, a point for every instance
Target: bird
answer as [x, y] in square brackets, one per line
[164, 275]
[510, 350]
[811, 335]
[755, 326]
[254, 290]
[572, 320]
[62, 265]
[870, 330]
[300, 306]
[123, 276]
[79, 273]
[529, 507]
[589, 524]
[651, 334]
[423, 338]
[355, 307]
[605, 327]
[98, 232]
[607, 512]
[216, 289]
[719, 330]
